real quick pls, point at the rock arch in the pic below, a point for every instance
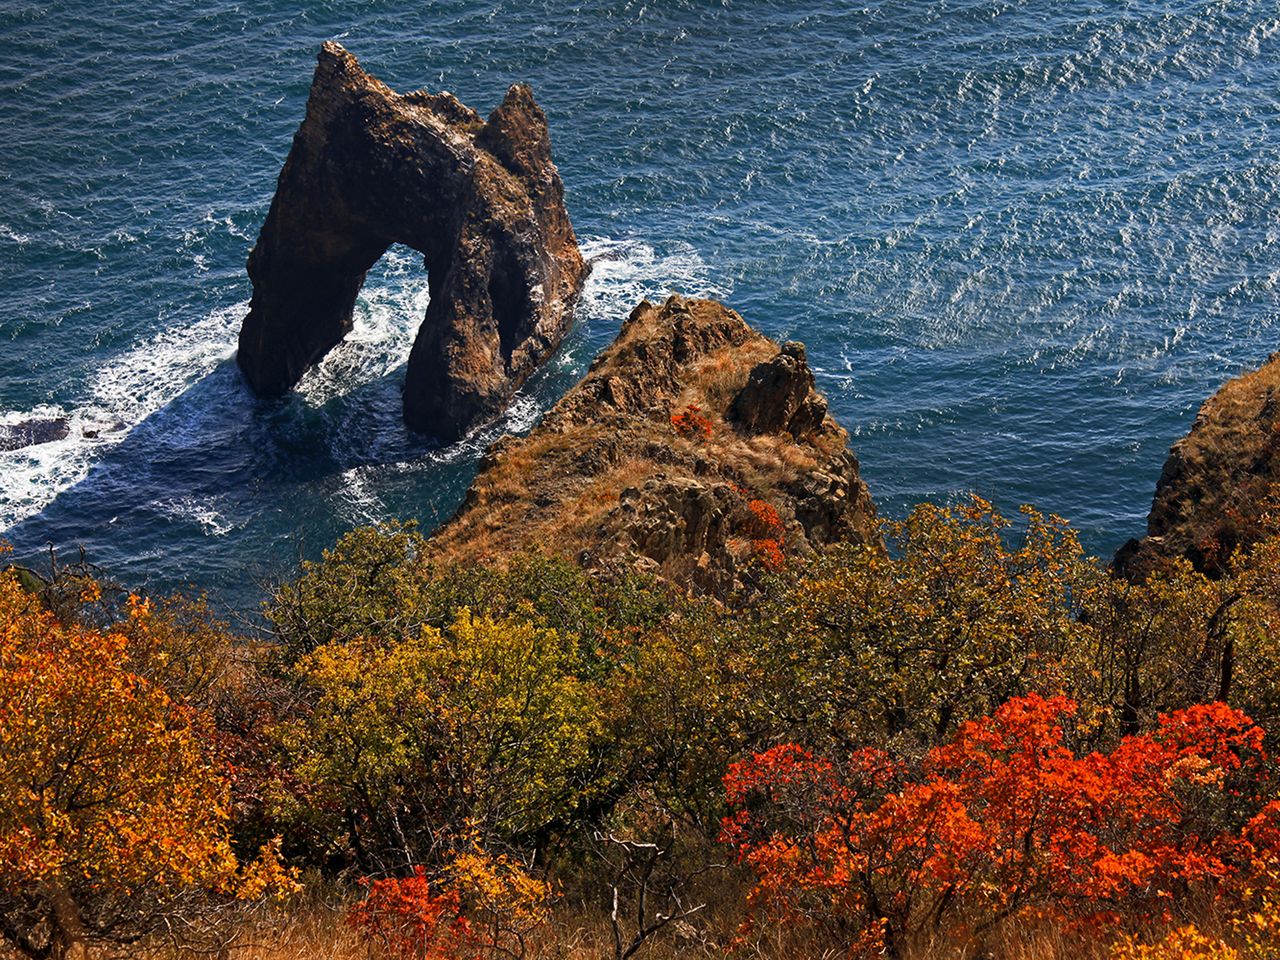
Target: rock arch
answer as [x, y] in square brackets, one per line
[481, 200]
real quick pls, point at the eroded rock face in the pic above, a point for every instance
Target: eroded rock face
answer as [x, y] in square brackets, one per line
[1218, 480]
[481, 200]
[666, 455]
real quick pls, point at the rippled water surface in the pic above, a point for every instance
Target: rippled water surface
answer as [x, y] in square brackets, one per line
[1023, 242]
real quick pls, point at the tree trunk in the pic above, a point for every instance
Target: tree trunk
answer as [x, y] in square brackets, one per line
[67, 939]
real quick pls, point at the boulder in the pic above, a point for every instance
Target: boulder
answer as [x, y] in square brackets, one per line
[30, 433]
[779, 396]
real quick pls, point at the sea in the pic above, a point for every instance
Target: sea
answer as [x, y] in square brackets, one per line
[1022, 239]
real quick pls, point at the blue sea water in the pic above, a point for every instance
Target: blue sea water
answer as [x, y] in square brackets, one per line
[1022, 240]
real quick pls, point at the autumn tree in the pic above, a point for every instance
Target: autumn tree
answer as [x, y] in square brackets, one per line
[652, 664]
[1002, 820]
[113, 807]
[1180, 637]
[961, 612]
[404, 744]
[479, 904]
[384, 582]
[409, 918]
[501, 899]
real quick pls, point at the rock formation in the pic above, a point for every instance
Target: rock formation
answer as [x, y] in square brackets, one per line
[481, 200]
[693, 448]
[32, 432]
[1219, 479]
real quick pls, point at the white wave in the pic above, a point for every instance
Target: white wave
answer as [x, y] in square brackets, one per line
[624, 272]
[523, 412]
[153, 372]
[384, 325]
[356, 501]
[123, 393]
[201, 510]
[8, 233]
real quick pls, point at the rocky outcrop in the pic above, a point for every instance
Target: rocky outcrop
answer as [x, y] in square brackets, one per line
[695, 448]
[1218, 482]
[481, 200]
[779, 396]
[32, 432]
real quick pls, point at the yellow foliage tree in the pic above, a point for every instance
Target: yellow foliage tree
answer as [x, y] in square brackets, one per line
[961, 613]
[502, 900]
[113, 809]
[1183, 943]
[405, 742]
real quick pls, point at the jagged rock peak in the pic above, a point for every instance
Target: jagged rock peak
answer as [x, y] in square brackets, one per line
[691, 444]
[1218, 481]
[481, 200]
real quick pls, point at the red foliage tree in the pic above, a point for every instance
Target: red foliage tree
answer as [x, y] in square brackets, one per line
[408, 920]
[1003, 819]
[691, 423]
[767, 534]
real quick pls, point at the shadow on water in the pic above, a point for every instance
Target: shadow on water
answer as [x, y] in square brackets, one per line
[220, 489]
[243, 469]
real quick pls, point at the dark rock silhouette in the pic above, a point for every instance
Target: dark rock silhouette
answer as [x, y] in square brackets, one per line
[1219, 482]
[779, 396]
[481, 200]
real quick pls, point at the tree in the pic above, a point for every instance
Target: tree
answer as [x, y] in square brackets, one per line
[962, 612]
[406, 744]
[479, 904]
[1180, 637]
[383, 582]
[407, 919]
[1001, 820]
[113, 807]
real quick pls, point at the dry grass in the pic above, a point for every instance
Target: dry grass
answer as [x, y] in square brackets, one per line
[718, 377]
[315, 930]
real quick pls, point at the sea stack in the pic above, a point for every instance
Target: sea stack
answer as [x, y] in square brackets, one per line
[695, 449]
[481, 200]
[1219, 481]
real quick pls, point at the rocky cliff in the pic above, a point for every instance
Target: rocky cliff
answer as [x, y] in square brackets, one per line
[481, 200]
[694, 448]
[1219, 479]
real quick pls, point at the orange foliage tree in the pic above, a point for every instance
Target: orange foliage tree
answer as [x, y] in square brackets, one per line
[1003, 820]
[767, 534]
[691, 423]
[113, 809]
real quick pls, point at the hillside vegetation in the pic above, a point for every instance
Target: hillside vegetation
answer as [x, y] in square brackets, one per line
[972, 741]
